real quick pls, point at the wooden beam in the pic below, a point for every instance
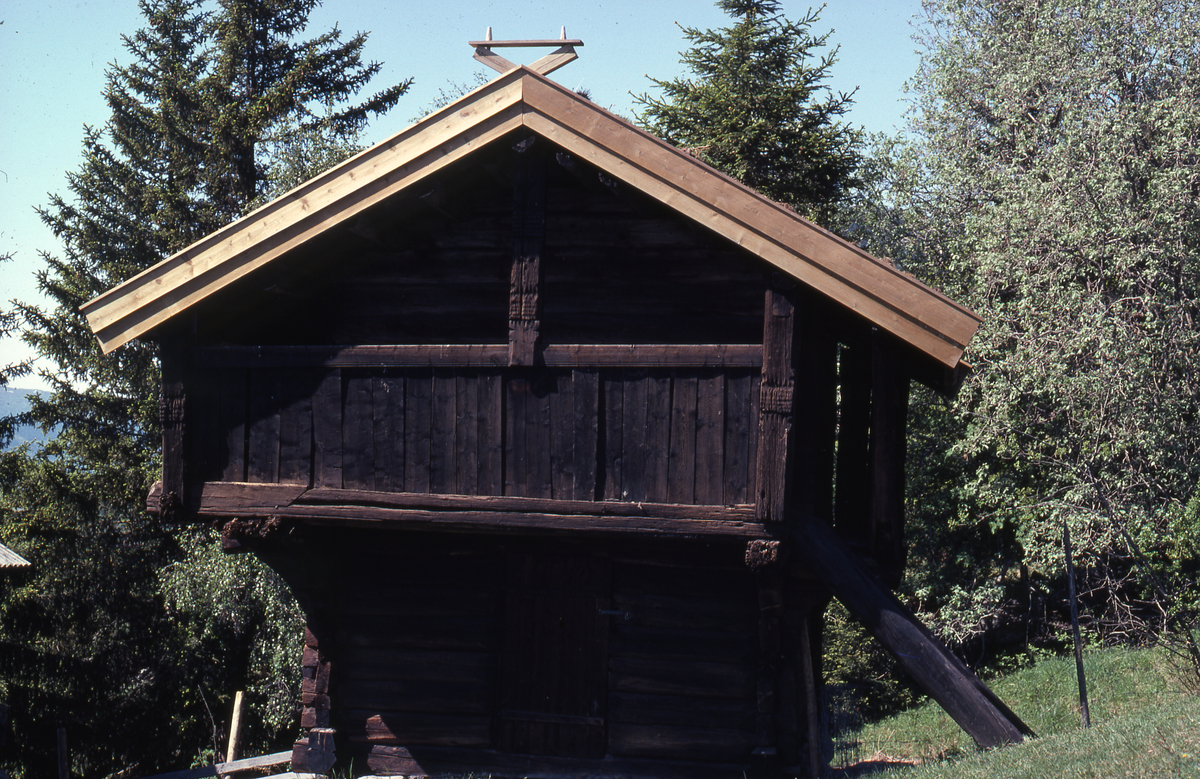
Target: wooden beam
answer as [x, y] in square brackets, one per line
[493, 60]
[529, 240]
[481, 356]
[476, 521]
[776, 403]
[467, 512]
[936, 670]
[542, 43]
[554, 60]
[563, 54]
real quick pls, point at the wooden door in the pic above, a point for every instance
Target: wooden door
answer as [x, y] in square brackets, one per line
[553, 688]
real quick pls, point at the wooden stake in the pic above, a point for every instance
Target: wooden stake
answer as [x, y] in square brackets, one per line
[235, 727]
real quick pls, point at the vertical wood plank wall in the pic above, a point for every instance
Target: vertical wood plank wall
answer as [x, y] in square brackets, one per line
[685, 436]
[678, 436]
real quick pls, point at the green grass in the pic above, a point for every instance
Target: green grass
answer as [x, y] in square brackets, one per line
[1145, 723]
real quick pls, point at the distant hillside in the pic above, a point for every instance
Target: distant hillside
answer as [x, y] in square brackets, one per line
[13, 401]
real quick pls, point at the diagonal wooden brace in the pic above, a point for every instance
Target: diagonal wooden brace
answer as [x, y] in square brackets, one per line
[939, 673]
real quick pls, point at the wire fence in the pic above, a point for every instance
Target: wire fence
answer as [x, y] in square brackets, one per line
[843, 721]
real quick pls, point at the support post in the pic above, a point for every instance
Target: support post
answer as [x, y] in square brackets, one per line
[776, 401]
[888, 445]
[764, 558]
[314, 684]
[173, 358]
[811, 708]
[314, 753]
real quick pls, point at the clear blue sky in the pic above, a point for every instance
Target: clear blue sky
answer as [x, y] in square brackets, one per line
[53, 54]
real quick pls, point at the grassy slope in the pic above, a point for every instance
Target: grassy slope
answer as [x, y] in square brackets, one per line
[1145, 724]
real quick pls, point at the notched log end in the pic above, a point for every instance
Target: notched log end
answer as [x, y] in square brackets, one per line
[762, 554]
[239, 534]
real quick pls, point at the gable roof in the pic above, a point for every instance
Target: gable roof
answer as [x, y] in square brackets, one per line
[890, 299]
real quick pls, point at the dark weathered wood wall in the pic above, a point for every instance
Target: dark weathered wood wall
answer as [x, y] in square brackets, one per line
[667, 436]
[618, 651]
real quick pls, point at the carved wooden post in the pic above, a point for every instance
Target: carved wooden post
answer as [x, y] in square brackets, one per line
[529, 238]
[776, 402]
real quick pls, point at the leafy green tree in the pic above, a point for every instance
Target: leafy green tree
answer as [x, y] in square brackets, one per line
[129, 634]
[754, 105]
[1054, 185]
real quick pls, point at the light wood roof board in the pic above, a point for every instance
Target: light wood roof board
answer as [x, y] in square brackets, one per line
[10, 559]
[888, 298]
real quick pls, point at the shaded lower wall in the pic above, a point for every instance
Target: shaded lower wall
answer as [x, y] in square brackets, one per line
[548, 657]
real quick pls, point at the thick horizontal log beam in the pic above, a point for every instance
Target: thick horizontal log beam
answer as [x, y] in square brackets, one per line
[466, 512]
[440, 760]
[481, 356]
[939, 673]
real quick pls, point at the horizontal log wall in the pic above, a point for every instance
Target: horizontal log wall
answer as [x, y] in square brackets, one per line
[433, 266]
[418, 642]
[683, 663]
[425, 632]
[625, 270]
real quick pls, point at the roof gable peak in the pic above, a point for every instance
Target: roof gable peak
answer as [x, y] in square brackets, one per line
[524, 98]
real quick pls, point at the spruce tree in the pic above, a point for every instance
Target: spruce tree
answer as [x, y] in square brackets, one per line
[755, 106]
[130, 634]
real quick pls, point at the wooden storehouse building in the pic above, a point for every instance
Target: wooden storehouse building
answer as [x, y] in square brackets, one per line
[562, 438]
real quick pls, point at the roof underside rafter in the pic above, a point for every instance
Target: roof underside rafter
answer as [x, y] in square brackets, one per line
[893, 301]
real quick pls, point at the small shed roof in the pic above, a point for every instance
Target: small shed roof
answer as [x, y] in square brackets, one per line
[10, 559]
[892, 300]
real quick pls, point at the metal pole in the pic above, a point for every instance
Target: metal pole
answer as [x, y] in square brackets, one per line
[64, 757]
[1083, 701]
